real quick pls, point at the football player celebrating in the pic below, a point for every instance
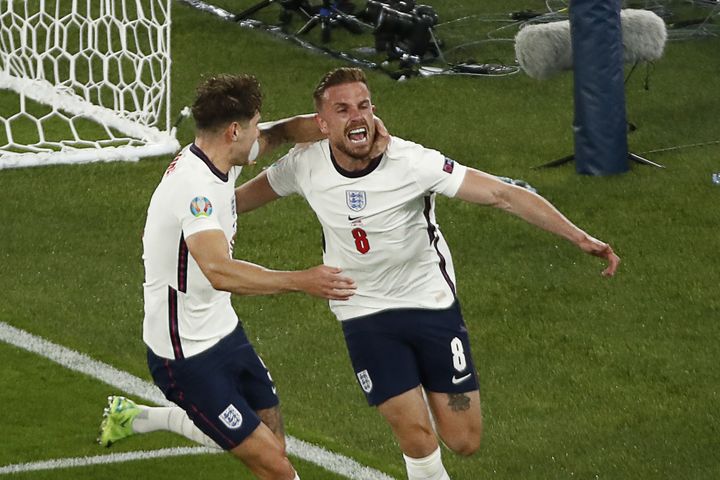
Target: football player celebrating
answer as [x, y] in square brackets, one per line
[198, 353]
[403, 327]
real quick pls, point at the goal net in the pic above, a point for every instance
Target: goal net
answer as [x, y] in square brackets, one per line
[84, 81]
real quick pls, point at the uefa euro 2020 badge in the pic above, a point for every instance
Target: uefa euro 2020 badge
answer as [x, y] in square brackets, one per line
[201, 207]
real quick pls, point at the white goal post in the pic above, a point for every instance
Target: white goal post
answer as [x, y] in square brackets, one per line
[84, 81]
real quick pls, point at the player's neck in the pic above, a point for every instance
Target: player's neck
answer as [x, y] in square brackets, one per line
[348, 163]
[216, 153]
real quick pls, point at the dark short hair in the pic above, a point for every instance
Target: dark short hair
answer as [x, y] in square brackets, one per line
[339, 76]
[226, 98]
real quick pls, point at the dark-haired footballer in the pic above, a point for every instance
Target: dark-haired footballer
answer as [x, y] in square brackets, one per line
[197, 351]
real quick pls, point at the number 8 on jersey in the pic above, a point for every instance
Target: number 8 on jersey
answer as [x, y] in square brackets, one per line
[361, 241]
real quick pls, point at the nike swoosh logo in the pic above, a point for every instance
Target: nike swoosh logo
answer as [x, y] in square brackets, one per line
[455, 381]
[353, 218]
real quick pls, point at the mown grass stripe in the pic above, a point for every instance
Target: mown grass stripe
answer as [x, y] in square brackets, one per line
[136, 387]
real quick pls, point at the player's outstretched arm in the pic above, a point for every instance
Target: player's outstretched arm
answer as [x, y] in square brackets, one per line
[210, 250]
[297, 129]
[479, 187]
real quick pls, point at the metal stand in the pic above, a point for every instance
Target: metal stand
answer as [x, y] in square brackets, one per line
[570, 158]
[328, 17]
[255, 8]
[285, 16]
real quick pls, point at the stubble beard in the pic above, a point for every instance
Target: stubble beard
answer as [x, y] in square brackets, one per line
[354, 153]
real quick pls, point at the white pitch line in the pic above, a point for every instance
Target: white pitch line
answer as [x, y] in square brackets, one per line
[136, 387]
[103, 459]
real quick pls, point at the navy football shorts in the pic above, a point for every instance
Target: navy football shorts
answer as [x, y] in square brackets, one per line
[394, 351]
[220, 388]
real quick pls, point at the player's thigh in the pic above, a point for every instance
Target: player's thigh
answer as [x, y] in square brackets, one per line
[213, 403]
[409, 419]
[443, 344]
[272, 418]
[254, 379]
[384, 361]
[450, 379]
[257, 387]
[458, 419]
[208, 386]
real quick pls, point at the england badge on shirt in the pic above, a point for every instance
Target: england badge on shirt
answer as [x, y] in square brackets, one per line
[355, 199]
[231, 417]
[365, 381]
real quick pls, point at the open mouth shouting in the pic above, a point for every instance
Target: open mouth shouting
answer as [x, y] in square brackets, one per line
[357, 135]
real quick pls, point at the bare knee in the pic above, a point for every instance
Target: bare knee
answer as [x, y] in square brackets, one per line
[466, 442]
[416, 440]
[408, 417]
[459, 420]
[265, 456]
[465, 448]
[282, 470]
[270, 465]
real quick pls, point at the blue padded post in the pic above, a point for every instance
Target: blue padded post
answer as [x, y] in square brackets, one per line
[600, 126]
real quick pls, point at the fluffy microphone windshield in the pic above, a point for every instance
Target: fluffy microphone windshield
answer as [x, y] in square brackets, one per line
[545, 49]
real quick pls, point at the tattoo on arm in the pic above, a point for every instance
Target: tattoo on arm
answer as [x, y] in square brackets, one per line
[458, 402]
[275, 136]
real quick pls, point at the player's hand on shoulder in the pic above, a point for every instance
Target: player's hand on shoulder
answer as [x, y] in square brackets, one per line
[328, 282]
[382, 139]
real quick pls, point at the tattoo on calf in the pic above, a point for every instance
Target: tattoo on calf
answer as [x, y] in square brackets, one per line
[458, 402]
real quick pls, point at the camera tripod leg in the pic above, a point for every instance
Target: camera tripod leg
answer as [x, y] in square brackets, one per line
[249, 11]
[570, 158]
[644, 161]
[323, 18]
[329, 16]
[325, 29]
[309, 25]
[557, 162]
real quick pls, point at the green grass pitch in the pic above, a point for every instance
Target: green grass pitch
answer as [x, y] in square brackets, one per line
[582, 377]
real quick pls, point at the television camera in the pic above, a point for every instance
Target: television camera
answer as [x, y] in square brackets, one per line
[402, 28]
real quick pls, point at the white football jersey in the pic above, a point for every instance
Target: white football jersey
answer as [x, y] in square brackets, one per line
[379, 224]
[184, 314]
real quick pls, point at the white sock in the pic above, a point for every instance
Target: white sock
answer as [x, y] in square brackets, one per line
[428, 468]
[171, 419]
[297, 477]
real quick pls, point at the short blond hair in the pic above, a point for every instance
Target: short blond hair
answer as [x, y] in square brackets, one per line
[339, 76]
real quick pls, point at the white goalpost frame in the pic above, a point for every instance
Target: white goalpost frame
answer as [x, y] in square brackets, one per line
[23, 71]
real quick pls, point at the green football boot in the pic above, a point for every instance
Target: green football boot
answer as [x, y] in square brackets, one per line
[117, 420]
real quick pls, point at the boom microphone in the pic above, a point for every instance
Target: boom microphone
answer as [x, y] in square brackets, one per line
[545, 49]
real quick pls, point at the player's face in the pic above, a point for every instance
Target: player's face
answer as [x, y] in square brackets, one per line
[244, 135]
[346, 117]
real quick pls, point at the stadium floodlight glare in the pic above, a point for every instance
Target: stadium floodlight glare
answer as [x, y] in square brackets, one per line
[84, 81]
